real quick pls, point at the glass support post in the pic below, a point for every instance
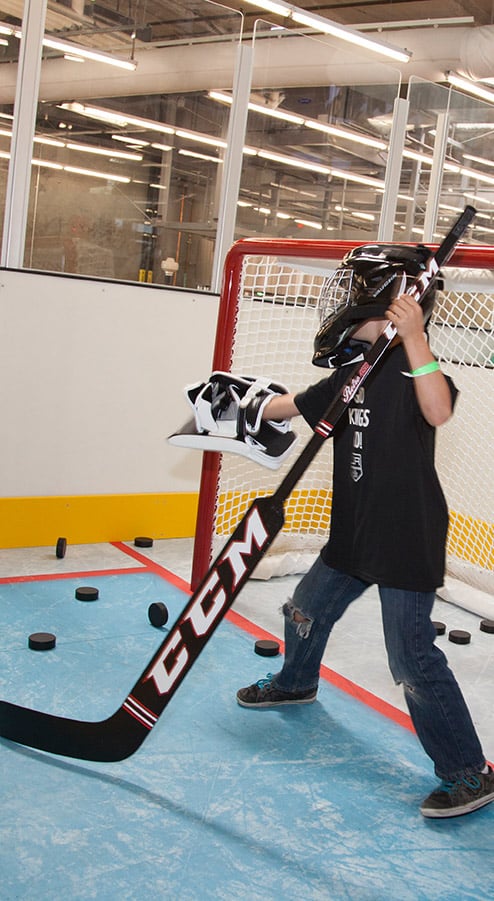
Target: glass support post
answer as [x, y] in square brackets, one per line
[436, 179]
[21, 147]
[232, 166]
[393, 170]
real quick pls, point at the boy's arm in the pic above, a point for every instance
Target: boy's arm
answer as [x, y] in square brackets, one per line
[432, 390]
[281, 407]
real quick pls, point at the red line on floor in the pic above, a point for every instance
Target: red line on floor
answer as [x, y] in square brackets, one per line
[153, 566]
[84, 574]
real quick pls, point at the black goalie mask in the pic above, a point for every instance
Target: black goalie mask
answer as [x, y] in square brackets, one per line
[363, 287]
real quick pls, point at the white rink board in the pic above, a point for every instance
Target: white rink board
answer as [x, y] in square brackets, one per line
[92, 376]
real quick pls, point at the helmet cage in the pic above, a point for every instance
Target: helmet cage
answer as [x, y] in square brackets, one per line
[362, 288]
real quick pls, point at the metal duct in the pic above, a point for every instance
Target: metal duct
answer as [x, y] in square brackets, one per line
[277, 63]
[477, 53]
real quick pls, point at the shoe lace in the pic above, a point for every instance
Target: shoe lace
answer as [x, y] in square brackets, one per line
[265, 683]
[472, 782]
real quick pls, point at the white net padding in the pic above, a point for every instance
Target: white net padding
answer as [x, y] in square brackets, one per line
[462, 336]
[276, 320]
[276, 323]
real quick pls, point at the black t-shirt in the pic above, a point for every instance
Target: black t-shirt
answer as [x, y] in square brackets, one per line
[389, 517]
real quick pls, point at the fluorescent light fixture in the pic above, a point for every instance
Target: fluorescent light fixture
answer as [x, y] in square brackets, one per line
[73, 59]
[46, 164]
[459, 209]
[93, 112]
[478, 159]
[484, 230]
[452, 209]
[419, 157]
[6, 29]
[291, 161]
[115, 118]
[283, 216]
[368, 216]
[91, 172]
[279, 9]
[164, 147]
[50, 142]
[428, 160]
[327, 26]
[471, 87]
[415, 23]
[126, 140]
[3, 42]
[275, 184]
[102, 151]
[358, 179]
[419, 231]
[318, 23]
[158, 187]
[375, 183]
[276, 114]
[200, 138]
[477, 199]
[477, 176]
[222, 97]
[95, 55]
[243, 203]
[200, 156]
[475, 126]
[346, 134]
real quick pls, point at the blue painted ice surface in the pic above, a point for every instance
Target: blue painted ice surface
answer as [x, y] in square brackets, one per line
[312, 803]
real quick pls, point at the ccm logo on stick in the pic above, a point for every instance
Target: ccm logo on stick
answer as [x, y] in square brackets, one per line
[208, 605]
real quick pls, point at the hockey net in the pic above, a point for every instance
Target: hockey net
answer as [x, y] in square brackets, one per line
[267, 321]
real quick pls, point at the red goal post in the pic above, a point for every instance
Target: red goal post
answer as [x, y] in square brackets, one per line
[268, 316]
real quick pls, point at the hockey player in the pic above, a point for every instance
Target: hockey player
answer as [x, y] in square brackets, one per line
[389, 518]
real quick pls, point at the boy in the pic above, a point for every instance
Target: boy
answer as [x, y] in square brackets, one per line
[389, 517]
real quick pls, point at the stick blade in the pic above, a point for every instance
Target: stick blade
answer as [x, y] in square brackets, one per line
[110, 740]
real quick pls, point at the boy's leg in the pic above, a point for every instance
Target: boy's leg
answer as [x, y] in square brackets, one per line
[319, 600]
[437, 707]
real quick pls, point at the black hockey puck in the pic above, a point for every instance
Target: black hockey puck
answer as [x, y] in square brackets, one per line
[42, 641]
[85, 593]
[266, 648]
[458, 636]
[61, 547]
[158, 614]
[487, 625]
[440, 628]
[142, 541]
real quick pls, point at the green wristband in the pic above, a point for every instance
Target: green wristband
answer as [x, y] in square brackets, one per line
[424, 370]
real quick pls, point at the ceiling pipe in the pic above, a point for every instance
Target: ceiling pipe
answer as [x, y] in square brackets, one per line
[477, 53]
[277, 63]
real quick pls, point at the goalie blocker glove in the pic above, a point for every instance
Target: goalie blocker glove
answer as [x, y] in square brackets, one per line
[228, 413]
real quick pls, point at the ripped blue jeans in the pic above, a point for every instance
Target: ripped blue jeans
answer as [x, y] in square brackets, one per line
[438, 710]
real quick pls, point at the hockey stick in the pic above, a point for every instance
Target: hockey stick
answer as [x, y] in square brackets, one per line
[121, 734]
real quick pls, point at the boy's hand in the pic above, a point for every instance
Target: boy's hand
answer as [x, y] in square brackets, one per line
[407, 317]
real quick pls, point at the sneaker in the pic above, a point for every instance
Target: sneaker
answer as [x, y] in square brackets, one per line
[262, 694]
[452, 799]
